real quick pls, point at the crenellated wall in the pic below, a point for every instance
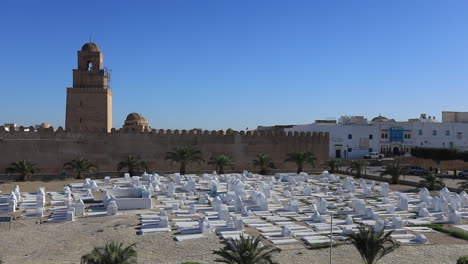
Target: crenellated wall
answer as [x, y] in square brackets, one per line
[50, 148]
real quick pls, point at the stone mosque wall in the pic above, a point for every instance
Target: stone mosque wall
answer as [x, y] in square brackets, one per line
[49, 149]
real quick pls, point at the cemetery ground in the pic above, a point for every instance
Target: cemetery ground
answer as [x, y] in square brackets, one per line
[30, 241]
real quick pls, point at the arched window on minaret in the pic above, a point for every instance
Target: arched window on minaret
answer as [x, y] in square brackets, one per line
[90, 66]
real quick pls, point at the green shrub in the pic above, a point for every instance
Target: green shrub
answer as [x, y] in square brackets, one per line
[462, 260]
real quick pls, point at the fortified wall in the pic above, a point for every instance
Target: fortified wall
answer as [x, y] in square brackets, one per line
[49, 149]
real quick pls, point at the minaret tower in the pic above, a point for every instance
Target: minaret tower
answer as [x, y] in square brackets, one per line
[89, 101]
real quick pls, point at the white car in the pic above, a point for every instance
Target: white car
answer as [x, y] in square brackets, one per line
[373, 155]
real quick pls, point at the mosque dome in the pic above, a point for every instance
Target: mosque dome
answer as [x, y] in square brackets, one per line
[135, 117]
[90, 47]
[380, 119]
[45, 125]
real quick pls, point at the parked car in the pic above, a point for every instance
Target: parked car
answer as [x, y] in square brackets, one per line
[416, 171]
[373, 155]
[463, 174]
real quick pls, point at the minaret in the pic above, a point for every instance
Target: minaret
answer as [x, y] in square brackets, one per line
[89, 101]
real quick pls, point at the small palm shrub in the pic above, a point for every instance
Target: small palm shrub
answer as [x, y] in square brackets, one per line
[264, 162]
[334, 164]
[462, 260]
[247, 251]
[301, 159]
[359, 166]
[184, 155]
[132, 163]
[111, 253]
[372, 245]
[395, 171]
[431, 182]
[220, 161]
[24, 168]
[80, 166]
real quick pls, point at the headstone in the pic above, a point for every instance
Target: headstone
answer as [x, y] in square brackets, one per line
[204, 225]
[239, 223]
[285, 232]
[112, 208]
[79, 208]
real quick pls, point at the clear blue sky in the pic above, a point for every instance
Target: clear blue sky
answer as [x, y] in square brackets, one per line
[234, 64]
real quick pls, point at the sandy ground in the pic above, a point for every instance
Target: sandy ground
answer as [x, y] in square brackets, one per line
[66, 242]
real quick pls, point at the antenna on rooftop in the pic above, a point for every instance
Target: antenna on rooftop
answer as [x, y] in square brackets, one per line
[90, 35]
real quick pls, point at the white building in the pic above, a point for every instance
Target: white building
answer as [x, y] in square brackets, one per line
[354, 136]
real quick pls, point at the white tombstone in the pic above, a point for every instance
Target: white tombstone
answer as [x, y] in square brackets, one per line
[379, 226]
[202, 199]
[454, 216]
[93, 186]
[39, 212]
[107, 180]
[349, 220]
[347, 230]
[223, 212]
[397, 222]
[339, 190]
[239, 223]
[384, 189]
[177, 178]
[163, 222]
[112, 208]
[171, 189]
[307, 191]
[192, 209]
[127, 176]
[322, 206]
[421, 239]
[368, 192]
[285, 232]
[424, 194]
[239, 203]
[370, 213]
[316, 217]
[79, 208]
[216, 203]
[390, 209]
[17, 193]
[204, 225]
[230, 223]
[423, 212]
[12, 206]
[359, 206]
[402, 203]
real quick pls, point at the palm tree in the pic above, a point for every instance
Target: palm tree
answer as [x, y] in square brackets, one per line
[395, 171]
[372, 245]
[334, 164]
[247, 251]
[463, 185]
[264, 161]
[111, 253]
[80, 166]
[359, 166]
[132, 163]
[24, 168]
[431, 182]
[184, 155]
[220, 161]
[301, 158]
